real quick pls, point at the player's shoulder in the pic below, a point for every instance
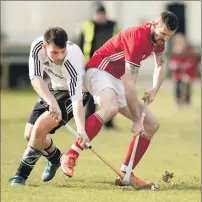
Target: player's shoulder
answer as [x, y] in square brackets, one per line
[137, 33]
[38, 41]
[74, 53]
[143, 28]
[71, 44]
[36, 46]
[73, 48]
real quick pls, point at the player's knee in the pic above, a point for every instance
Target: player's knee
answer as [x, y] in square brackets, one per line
[27, 136]
[154, 127]
[112, 110]
[39, 131]
[43, 126]
[27, 132]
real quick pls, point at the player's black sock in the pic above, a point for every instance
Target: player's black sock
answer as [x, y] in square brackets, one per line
[52, 153]
[54, 156]
[28, 162]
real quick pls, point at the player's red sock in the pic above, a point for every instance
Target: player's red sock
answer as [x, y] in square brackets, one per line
[93, 126]
[142, 146]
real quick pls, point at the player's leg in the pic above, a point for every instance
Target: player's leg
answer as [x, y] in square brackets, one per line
[47, 152]
[100, 86]
[90, 107]
[65, 105]
[47, 142]
[188, 93]
[51, 168]
[28, 130]
[151, 126]
[109, 124]
[94, 123]
[180, 87]
[39, 125]
[43, 125]
[178, 92]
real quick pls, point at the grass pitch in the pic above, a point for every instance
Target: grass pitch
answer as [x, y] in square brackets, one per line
[176, 147]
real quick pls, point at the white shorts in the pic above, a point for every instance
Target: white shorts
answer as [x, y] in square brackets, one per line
[97, 80]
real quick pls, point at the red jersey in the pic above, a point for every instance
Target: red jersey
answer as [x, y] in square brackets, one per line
[185, 64]
[132, 45]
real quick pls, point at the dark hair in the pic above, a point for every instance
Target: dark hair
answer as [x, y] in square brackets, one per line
[101, 9]
[170, 20]
[98, 7]
[56, 35]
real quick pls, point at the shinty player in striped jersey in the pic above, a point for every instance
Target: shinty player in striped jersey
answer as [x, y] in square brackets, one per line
[66, 96]
[119, 59]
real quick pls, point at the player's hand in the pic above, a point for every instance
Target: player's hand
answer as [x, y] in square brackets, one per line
[150, 94]
[138, 127]
[55, 112]
[83, 139]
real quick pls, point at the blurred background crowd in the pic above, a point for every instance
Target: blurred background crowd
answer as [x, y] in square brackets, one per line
[89, 24]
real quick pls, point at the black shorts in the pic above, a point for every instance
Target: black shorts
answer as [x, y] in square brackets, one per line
[65, 104]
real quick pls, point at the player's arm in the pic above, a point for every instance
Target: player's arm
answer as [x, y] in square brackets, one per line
[39, 85]
[78, 108]
[41, 88]
[79, 112]
[129, 80]
[132, 49]
[158, 76]
[76, 94]
[159, 71]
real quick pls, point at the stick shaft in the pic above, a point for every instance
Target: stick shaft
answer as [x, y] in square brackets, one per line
[132, 157]
[70, 129]
[118, 172]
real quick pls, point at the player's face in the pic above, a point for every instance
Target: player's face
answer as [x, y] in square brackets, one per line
[161, 34]
[55, 54]
[100, 18]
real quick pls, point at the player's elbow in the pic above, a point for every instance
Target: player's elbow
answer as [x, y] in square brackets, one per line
[76, 100]
[128, 82]
[37, 83]
[35, 80]
[130, 87]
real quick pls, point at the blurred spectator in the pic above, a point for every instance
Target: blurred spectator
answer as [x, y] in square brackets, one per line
[95, 32]
[183, 65]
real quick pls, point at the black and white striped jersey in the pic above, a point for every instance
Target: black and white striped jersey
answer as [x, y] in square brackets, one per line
[67, 76]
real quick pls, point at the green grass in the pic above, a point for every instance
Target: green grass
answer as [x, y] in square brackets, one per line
[176, 147]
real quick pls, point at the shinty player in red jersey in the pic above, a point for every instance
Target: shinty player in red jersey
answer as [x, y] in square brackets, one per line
[111, 79]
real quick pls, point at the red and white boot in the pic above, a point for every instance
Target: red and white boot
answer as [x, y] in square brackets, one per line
[137, 183]
[68, 162]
